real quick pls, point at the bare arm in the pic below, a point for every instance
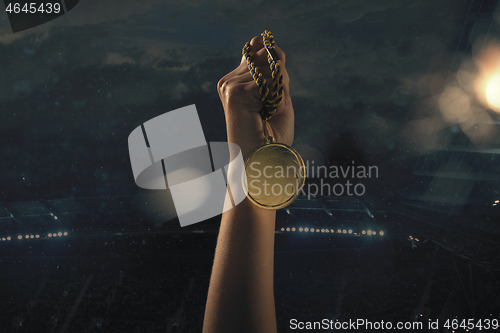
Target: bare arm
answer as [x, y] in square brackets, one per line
[240, 296]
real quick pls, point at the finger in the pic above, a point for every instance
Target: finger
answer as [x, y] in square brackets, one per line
[250, 85]
[243, 88]
[256, 44]
[240, 84]
[260, 60]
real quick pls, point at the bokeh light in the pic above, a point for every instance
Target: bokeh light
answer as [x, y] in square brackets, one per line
[493, 92]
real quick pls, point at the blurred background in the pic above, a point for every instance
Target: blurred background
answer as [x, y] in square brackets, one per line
[411, 88]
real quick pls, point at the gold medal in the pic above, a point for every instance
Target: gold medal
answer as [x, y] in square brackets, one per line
[275, 172]
[274, 175]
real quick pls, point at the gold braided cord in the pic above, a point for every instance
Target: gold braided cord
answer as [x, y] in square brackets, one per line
[270, 100]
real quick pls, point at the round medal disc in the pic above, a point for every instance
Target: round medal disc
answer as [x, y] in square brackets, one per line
[274, 175]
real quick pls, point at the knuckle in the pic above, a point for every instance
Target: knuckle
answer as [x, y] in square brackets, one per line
[255, 40]
[220, 84]
[229, 88]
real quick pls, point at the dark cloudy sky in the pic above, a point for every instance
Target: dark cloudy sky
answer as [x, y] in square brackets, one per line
[72, 90]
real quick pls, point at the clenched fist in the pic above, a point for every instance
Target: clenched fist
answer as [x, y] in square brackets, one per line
[242, 102]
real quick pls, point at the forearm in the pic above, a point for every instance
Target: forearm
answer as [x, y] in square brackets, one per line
[240, 297]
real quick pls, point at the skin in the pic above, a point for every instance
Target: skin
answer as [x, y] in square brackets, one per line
[240, 296]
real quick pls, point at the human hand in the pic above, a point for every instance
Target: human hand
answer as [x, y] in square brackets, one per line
[242, 104]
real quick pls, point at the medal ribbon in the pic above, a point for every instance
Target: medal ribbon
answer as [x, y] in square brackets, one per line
[270, 100]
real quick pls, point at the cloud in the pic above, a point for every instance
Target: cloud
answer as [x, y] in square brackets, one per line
[114, 58]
